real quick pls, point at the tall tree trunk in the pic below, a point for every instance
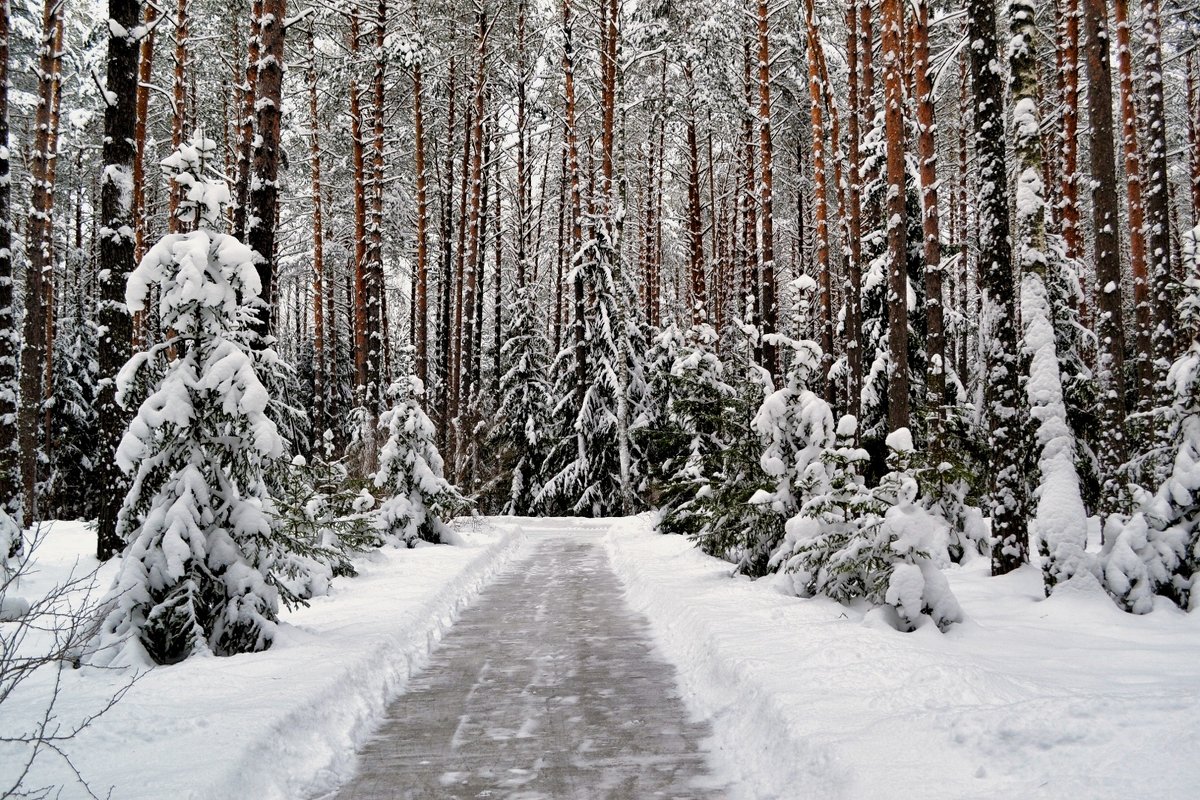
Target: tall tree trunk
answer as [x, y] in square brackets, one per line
[446, 237]
[376, 300]
[1070, 138]
[820, 192]
[1157, 186]
[576, 209]
[10, 340]
[1110, 327]
[264, 194]
[895, 212]
[116, 262]
[471, 287]
[178, 106]
[854, 219]
[246, 134]
[1142, 316]
[421, 310]
[142, 109]
[699, 299]
[935, 337]
[1193, 138]
[523, 186]
[770, 310]
[320, 360]
[39, 249]
[359, 171]
[1007, 496]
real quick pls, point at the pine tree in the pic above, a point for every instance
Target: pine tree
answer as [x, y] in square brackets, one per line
[418, 498]
[198, 569]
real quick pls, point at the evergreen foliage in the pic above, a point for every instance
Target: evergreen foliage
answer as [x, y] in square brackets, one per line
[417, 497]
[199, 569]
[850, 542]
[1157, 551]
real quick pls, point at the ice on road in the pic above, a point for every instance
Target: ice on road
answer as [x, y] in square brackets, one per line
[548, 686]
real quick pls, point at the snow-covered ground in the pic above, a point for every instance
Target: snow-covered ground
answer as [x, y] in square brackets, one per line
[1028, 697]
[1061, 698]
[280, 724]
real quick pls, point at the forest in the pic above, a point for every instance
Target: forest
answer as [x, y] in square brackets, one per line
[847, 290]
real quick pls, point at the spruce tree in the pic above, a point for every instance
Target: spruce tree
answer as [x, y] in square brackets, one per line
[198, 569]
[417, 497]
[1157, 551]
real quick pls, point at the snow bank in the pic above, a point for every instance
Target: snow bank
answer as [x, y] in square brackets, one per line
[1067, 697]
[280, 724]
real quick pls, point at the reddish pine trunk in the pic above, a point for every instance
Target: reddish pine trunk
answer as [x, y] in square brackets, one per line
[1143, 323]
[1110, 328]
[930, 224]
[895, 211]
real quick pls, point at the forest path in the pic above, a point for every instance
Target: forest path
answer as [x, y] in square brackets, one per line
[547, 686]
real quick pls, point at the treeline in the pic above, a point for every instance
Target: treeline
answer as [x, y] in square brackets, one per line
[607, 236]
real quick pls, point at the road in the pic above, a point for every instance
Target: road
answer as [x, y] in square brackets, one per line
[547, 686]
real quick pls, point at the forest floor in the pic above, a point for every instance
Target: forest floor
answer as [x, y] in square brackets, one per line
[688, 682]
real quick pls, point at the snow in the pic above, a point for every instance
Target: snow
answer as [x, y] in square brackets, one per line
[278, 724]
[1028, 697]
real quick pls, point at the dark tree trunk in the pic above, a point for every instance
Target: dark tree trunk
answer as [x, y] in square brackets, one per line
[116, 262]
[1004, 401]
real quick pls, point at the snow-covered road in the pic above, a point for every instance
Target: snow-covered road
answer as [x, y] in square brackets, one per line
[547, 686]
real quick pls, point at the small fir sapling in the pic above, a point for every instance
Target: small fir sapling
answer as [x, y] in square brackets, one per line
[418, 498]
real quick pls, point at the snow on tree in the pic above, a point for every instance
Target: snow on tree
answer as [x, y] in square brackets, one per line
[728, 523]
[418, 496]
[593, 469]
[1157, 551]
[197, 573]
[688, 443]
[1059, 521]
[519, 435]
[849, 542]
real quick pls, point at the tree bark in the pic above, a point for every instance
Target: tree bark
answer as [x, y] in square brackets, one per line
[320, 361]
[1110, 328]
[246, 140]
[854, 218]
[39, 244]
[896, 225]
[1007, 498]
[116, 262]
[421, 310]
[935, 339]
[770, 310]
[264, 194]
[1142, 315]
[1157, 186]
[10, 341]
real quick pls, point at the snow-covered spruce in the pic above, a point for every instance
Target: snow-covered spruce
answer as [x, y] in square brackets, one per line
[196, 575]
[519, 438]
[418, 496]
[879, 545]
[1157, 551]
[686, 445]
